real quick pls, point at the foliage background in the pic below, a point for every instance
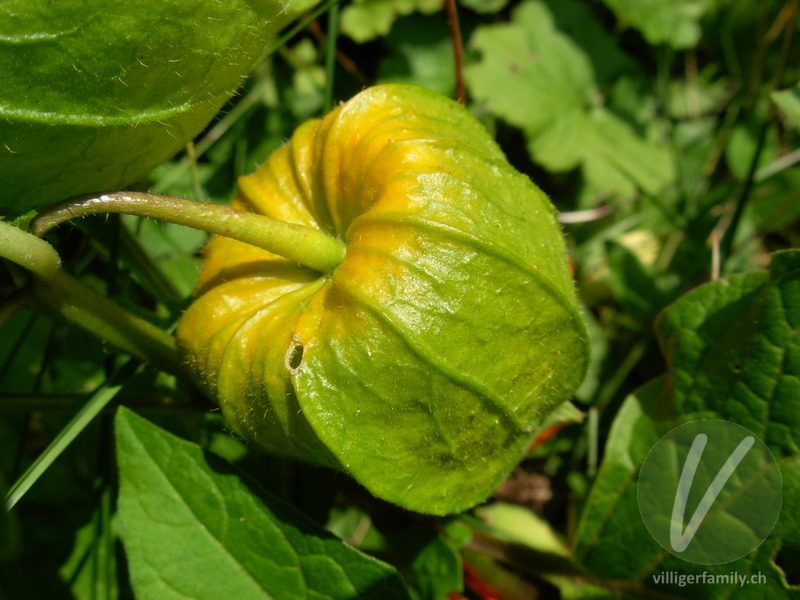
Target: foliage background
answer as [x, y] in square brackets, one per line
[667, 135]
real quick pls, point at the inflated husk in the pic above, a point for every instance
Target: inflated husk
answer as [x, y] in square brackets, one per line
[423, 364]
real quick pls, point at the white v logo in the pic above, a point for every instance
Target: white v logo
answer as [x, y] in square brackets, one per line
[680, 540]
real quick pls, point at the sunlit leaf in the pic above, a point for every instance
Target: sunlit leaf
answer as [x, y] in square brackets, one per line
[95, 95]
[733, 352]
[195, 528]
[536, 78]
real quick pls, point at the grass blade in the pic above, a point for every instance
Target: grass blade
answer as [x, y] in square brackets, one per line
[96, 403]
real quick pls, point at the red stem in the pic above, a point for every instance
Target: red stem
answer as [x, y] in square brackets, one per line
[458, 50]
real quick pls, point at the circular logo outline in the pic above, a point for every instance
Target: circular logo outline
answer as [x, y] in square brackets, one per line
[675, 522]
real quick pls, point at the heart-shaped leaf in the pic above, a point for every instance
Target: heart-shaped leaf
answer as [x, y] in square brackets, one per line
[733, 350]
[536, 77]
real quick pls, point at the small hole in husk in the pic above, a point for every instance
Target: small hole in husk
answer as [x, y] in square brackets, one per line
[295, 358]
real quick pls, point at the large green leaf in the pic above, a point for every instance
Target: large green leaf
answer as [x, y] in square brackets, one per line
[537, 78]
[194, 528]
[734, 354]
[96, 94]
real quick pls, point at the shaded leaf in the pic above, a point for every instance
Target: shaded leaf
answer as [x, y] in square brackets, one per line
[789, 102]
[577, 20]
[776, 202]
[193, 528]
[633, 281]
[91, 570]
[690, 99]
[733, 351]
[741, 148]
[422, 53]
[435, 566]
[673, 22]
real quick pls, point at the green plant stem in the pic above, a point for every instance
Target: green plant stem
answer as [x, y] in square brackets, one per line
[29, 252]
[330, 55]
[82, 306]
[96, 403]
[300, 26]
[108, 321]
[726, 243]
[458, 50]
[593, 424]
[141, 262]
[25, 403]
[303, 245]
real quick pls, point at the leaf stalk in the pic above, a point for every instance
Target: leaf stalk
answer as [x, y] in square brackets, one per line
[86, 308]
[304, 245]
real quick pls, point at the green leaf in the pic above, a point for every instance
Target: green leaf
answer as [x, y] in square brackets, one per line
[193, 527]
[577, 20]
[421, 53]
[91, 570]
[435, 568]
[673, 22]
[777, 205]
[633, 282]
[789, 102]
[364, 20]
[699, 97]
[172, 249]
[485, 6]
[610, 522]
[741, 148]
[95, 94]
[733, 351]
[518, 524]
[96, 402]
[538, 79]
[732, 345]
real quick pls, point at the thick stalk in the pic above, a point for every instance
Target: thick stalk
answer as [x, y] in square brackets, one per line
[29, 252]
[107, 320]
[303, 245]
[82, 306]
